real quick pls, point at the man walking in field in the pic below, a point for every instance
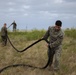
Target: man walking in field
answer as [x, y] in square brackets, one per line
[55, 35]
[14, 26]
[4, 34]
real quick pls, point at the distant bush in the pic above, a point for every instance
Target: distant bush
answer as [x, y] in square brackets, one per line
[71, 33]
[37, 34]
[28, 35]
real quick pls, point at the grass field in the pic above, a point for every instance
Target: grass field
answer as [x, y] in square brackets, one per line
[37, 55]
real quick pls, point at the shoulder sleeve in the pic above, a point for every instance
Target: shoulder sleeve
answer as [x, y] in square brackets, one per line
[47, 33]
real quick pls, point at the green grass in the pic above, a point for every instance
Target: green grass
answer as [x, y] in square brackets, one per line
[37, 55]
[37, 34]
[71, 33]
[28, 35]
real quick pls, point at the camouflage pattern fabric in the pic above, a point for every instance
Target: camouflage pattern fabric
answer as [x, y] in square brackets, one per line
[4, 35]
[55, 39]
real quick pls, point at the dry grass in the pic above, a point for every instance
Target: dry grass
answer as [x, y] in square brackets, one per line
[37, 56]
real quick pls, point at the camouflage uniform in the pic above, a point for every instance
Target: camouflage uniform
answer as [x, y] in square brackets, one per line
[4, 35]
[55, 39]
[14, 26]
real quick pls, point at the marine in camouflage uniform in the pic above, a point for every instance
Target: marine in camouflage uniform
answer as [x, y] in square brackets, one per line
[55, 35]
[14, 26]
[4, 35]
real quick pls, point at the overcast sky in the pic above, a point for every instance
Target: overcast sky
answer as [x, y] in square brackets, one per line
[38, 14]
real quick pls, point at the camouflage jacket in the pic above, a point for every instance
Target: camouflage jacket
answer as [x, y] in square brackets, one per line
[3, 31]
[55, 37]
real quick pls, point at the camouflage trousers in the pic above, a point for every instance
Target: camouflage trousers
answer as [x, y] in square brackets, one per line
[55, 57]
[14, 29]
[4, 40]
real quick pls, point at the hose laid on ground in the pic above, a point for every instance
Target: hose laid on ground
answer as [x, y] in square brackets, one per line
[26, 47]
[50, 56]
